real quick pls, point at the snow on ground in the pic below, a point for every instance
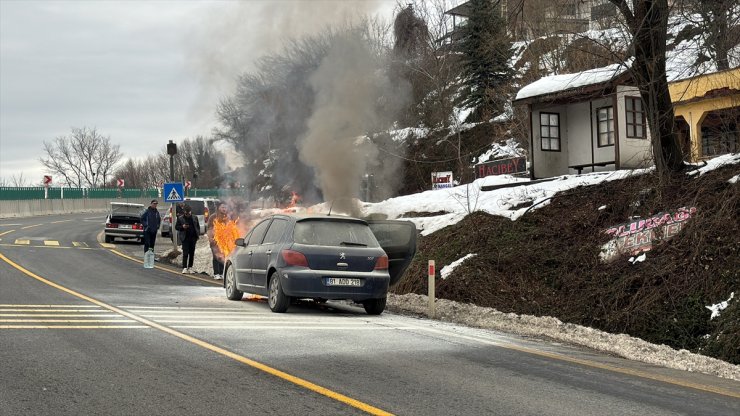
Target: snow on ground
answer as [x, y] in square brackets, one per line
[447, 270]
[461, 200]
[510, 202]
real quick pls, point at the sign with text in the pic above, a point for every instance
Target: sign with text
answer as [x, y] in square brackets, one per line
[501, 167]
[640, 235]
[442, 180]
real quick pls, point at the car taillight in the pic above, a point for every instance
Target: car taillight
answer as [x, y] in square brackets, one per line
[111, 225]
[138, 227]
[294, 258]
[381, 263]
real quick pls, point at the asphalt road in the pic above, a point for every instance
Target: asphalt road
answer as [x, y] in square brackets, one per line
[85, 329]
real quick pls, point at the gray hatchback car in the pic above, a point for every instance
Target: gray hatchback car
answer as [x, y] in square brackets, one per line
[322, 258]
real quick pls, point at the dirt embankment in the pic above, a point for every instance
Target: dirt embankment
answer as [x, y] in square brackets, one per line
[547, 263]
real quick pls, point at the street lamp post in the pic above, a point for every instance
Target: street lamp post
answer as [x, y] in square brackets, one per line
[172, 151]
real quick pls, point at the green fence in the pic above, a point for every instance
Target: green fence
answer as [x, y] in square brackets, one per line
[37, 192]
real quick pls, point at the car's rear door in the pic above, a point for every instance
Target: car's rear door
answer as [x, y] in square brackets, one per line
[398, 240]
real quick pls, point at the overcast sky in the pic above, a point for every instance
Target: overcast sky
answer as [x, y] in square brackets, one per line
[141, 72]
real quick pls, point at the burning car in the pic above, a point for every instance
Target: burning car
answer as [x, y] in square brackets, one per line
[320, 257]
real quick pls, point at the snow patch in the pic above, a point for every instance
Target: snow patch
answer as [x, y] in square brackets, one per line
[447, 270]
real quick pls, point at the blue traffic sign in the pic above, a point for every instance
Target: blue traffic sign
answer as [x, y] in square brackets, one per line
[174, 192]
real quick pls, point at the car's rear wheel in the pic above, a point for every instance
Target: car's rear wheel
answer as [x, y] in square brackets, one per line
[276, 299]
[108, 239]
[374, 306]
[232, 293]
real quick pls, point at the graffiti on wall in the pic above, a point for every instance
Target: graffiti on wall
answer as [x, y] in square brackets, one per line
[639, 235]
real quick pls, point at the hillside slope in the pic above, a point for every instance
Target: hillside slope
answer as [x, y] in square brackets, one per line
[547, 263]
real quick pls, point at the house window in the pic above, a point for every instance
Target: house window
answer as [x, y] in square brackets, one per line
[605, 126]
[550, 131]
[635, 117]
[720, 133]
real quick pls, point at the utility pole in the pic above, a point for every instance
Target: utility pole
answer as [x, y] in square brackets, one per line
[172, 151]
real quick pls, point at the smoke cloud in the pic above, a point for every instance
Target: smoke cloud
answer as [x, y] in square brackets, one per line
[322, 109]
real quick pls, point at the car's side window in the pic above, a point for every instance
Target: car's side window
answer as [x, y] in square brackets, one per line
[258, 232]
[275, 232]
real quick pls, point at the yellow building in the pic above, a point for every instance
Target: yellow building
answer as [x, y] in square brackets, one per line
[707, 109]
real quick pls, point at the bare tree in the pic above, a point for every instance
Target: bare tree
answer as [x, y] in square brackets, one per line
[647, 22]
[15, 180]
[719, 22]
[85, 158]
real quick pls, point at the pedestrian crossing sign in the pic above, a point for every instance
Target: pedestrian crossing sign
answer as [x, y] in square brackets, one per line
[173, 192]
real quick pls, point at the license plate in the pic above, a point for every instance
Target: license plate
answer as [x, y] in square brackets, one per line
[342, 281]
[124, 226]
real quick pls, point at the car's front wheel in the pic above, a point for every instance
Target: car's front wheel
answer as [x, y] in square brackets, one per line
[276, 299]
[108, 239]
[232, 293]
[374, 306]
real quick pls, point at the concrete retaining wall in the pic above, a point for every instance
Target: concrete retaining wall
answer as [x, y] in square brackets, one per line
[34, 207]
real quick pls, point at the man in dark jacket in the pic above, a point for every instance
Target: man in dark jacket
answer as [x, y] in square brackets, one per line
[150, 220]
[188, 231]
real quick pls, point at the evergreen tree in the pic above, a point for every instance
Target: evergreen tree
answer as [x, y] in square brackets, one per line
[486, 51]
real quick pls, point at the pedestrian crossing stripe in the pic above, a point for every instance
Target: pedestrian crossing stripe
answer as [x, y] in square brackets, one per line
[51, 243]
[26, 242]
[173, 195]
[79, 244]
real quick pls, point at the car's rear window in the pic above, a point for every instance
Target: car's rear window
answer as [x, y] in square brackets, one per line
[197, 207]
[126, 210]
[333, 233]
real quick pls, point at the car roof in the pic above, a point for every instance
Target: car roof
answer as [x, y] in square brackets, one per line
[307, 217]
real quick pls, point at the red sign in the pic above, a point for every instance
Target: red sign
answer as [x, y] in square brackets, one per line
[501, 167]
[47, 179]
[187, 184]
[431, 269]
[120, 183]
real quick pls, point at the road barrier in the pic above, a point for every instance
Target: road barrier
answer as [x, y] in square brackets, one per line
[34, 207]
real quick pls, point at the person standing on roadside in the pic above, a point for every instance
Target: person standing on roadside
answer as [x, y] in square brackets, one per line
[187, 227]
[150, 220]
[222, 232]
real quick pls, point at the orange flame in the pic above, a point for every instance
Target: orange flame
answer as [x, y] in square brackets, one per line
[224, 234]
[294, 198]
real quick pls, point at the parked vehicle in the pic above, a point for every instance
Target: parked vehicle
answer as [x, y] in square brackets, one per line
[124, 221]
[199, 207]
[322, 258]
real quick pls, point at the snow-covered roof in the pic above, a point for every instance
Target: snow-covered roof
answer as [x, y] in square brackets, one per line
[557, 83]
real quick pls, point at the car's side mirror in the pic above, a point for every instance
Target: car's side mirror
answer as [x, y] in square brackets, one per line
[240, 242]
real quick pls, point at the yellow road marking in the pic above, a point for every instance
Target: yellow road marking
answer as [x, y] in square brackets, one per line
[6, 232]
[57, 222]
[78, 244]
[31, 226]
[24, 242]
[51, 243]
[107, 245]
[244, 360]
[211, 281]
